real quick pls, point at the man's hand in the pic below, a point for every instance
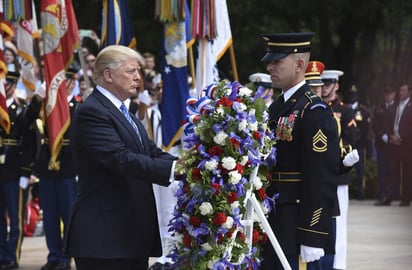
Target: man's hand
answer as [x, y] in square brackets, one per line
[351, 158]
[311, 254]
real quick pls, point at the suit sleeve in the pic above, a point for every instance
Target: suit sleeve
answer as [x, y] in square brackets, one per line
[101, 136]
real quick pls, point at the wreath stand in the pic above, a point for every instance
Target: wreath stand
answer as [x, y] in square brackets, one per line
[253, 206]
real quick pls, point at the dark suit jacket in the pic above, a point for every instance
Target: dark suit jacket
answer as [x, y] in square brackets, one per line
[115, 213]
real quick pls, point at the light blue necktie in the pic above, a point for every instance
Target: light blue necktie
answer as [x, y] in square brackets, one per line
[126, 114]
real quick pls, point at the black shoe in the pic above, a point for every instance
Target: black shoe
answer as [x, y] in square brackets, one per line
[62, 266]
[157, 266]
[404, 203]
[9, 265]
[383, 203]
[49, 266]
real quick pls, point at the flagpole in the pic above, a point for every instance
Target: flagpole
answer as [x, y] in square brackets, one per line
[233, 62]
[39, 58]
[192, 66]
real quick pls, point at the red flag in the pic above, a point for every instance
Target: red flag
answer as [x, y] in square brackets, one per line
[70, 34]
[58, 51]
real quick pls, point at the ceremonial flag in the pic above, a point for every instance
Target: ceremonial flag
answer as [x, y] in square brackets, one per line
[27, 31]
[4, 113]
[70, 33]
[55, 25]
[175, 79]
[116, 24]
[212, 29]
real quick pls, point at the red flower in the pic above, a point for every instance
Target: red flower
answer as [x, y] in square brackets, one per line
[216, 186]
[229, 234]
[225, 102]
[187, 241]
[235, 143]
[219, 218]
[264, 238]
[239, 168]
[262, 193]
[196, 174]
[232, 197]
[256, 135]
[219, 238]
[215, 151]
[195, 221]
[241, 236]
[255, 236]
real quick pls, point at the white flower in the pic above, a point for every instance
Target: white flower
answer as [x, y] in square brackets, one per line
[242, 125]
[220, 138]
[253, 126]
[206, 208]
[258, 183]
[245, 92]
[228, 163]
[239, 107]
[229, 223]
[179, 238]
[220, 111]
[234, 177]
[265, 210]
[210, 264]
[211, 165]
[234, 205]
[206, 246]
[244, 160]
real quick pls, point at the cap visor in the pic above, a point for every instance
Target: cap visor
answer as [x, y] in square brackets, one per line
[315, 82]
[273, 56]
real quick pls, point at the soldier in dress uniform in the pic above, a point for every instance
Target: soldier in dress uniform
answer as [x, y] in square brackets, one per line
[313, 78]
[57, 186]
[305, 176]
[345, 118]
[16, 161]
[263, 80]
[363, 119]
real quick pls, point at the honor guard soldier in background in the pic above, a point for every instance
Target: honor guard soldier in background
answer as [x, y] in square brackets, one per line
[363, 119]
[16, 158]
[57, 186]
[345, 118]
[313, 78]
[264, 80]
[305, 176]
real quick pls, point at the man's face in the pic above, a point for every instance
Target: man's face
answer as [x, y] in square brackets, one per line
[328, 90]
[125, 80]
[316, 89]
[404, 92]
[282, 72]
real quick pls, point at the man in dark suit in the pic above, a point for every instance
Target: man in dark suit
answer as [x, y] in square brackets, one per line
[401, 138]
[308, 157]
[114, 222]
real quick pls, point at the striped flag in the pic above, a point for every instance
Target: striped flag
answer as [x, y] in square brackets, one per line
[27, 31]
[175, 78]
[211, 26]
[4, 113]
[57, 36]
[116, 24]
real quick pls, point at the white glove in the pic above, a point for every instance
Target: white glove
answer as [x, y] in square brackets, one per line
[351, 158]
[311, 254]
[385, 138]
[144, 97]
[24, 182]
[41, 90]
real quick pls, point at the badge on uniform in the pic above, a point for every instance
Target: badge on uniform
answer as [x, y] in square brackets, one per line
[285, 127]
[320, 142]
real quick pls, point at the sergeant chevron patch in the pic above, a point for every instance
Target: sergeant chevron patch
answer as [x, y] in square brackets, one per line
[320, 142]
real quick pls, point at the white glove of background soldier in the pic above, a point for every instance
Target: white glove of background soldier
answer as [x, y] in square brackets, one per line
[351, 158]
[41, 90]
[144, 97]
[311, 254]
[24, 182]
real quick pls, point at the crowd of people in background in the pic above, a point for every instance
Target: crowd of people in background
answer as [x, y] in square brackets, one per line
[28, 183]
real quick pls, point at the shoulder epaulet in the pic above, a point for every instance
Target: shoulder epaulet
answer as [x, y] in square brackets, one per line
[314, 101]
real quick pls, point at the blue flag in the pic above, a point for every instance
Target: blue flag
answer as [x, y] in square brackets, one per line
[116, 24]
[175, 80]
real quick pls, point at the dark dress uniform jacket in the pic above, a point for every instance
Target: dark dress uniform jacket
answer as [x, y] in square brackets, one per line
[114, 215]
[305, 176]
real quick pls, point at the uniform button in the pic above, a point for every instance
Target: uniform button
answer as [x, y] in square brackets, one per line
[297, 201]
